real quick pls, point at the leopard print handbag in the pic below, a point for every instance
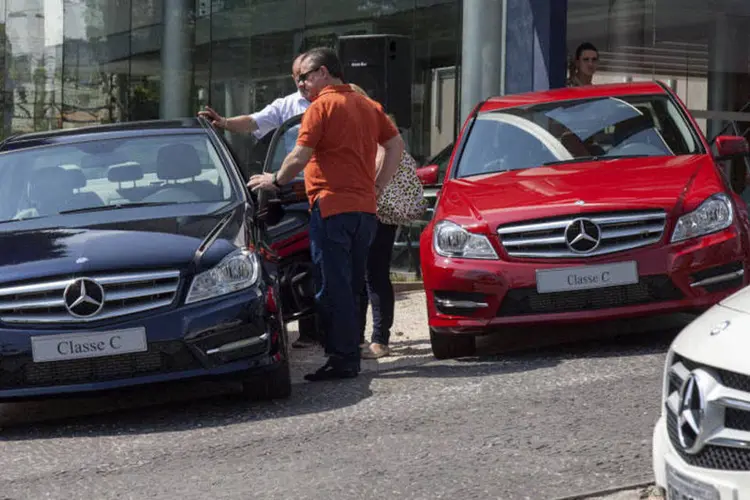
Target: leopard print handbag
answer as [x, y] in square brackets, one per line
[402, 200]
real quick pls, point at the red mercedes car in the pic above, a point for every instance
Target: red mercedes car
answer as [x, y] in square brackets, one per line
[582, 204]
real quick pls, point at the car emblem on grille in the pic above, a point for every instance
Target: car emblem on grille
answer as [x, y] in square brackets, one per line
[690, 414]
[582, 236]
[720, 328]
[84, 298]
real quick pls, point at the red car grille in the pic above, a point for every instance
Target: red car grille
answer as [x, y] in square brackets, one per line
[521, 301]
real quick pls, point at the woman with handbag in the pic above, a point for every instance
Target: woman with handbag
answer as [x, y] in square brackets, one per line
[400, 202]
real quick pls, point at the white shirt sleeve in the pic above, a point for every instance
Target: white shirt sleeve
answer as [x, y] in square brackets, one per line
[268, 118]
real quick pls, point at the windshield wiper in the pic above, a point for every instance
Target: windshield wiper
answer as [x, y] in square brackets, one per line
[581, 159]
[117, 206]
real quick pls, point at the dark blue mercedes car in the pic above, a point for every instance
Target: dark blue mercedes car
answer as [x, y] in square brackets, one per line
[133, 254]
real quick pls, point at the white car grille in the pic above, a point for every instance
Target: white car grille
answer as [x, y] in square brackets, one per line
[44, 302]
[552, 238]
[721, 415]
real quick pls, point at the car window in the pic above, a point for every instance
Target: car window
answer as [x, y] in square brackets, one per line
[283, 147]
[441, 160]
[528, 137]
[44, 181]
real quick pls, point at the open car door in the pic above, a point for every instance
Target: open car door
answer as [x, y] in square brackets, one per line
[285, 217]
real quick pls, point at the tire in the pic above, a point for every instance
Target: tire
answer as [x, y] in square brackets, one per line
[276, 384]
[448, 346]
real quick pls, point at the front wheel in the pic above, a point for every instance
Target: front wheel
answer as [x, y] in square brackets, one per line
[276, 384]
[449, 346]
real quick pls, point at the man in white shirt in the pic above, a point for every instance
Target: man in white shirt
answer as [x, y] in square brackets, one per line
[269, 118]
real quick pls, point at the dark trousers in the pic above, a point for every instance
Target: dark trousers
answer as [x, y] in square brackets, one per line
[339, 245]
[379, 289]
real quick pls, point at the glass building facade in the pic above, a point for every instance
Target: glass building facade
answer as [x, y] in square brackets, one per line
[71, 63]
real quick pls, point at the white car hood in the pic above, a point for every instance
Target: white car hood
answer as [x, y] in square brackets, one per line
[719, 338]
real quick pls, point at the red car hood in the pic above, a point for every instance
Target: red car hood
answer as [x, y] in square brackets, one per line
[619, 184]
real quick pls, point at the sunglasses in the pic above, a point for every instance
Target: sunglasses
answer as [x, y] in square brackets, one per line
[304, 76]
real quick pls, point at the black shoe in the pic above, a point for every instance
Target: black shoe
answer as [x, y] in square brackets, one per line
[331, 372]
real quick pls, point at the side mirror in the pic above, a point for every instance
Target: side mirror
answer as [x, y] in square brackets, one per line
[428, 175]
[731, 146]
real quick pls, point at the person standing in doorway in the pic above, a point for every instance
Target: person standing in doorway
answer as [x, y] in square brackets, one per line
[259, 124]
[583, 67]
[337, 144]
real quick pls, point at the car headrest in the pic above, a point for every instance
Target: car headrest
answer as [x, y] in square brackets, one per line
[76, 177]
[53, 182]
[130, 171]
[178, 161]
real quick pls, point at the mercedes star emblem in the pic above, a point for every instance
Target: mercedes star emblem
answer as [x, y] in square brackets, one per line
[720, 328]
[690, 414]
[84, 298]
[582, 236]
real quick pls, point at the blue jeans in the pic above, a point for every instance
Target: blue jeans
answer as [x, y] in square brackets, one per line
[339, 245]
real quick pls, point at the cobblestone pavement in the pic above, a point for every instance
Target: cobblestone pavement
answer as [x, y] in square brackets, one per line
[536, 424]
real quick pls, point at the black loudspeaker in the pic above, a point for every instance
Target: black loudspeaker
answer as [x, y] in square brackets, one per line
[382, 66]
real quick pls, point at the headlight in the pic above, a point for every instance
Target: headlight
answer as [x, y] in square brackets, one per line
[712, 215]
[237, 271]
[451, 240]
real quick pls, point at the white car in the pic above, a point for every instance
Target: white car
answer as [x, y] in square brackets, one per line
[701, 443]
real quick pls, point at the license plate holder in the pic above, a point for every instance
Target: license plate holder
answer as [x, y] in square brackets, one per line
[568, 279]
[50, 348]
[680, 487]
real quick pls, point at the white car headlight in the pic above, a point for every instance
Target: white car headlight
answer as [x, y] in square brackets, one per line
[451, 240]
[714, 214]
[237, 271]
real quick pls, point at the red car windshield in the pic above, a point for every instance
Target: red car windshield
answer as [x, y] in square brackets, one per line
[576, 130]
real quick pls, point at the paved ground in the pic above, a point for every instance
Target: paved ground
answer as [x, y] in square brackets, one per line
[537, 424]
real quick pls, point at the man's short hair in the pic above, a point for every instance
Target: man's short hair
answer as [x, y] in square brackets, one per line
[325, 56]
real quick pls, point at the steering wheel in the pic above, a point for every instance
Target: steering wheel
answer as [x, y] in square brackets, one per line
[494, 166]
[636, 148]
[172, 194]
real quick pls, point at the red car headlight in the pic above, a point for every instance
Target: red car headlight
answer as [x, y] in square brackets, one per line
[714, 214]
[451, 240]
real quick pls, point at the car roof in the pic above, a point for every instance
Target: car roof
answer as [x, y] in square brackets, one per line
[108, 131]
[571, 93]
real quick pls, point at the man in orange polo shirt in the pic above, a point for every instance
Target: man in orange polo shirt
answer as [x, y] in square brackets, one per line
[337, 143]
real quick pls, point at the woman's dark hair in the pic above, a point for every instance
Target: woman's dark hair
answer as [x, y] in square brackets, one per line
[325, 56]
[585, 46]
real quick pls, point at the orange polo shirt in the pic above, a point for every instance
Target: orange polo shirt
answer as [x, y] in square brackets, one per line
[343, 128]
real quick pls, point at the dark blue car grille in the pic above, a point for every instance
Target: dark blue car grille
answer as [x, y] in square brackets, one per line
[17, 372]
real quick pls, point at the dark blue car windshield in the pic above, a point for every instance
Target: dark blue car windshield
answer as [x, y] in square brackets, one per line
[159, 169]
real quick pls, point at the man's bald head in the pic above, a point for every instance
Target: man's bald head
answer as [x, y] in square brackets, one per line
[296, 64]
[296, 70]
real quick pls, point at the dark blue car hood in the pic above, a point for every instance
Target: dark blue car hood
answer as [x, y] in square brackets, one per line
[186, 238]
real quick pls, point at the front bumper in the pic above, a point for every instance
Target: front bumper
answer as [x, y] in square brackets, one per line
[485, 294]
[226, 336]
[728, 485]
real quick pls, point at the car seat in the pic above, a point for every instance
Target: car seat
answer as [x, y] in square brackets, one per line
[80, 199]
[50, 189]
[128, 172]
[181, 161]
